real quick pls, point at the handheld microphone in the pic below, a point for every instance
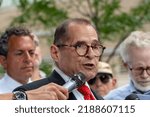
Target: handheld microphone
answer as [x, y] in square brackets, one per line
[76, 81]
[132, 96]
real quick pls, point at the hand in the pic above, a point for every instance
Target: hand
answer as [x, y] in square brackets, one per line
[50, 91]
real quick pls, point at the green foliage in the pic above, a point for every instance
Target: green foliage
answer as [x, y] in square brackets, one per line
[46, 67]
[1, 71]
[107, 16]
[1, 2]
[110, 21]
[39, 12]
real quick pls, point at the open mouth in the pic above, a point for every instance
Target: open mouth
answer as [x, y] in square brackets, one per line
[89, 65]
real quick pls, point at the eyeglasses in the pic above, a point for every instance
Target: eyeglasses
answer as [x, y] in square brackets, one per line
[103, 77]
[82, 48]
[140, 70]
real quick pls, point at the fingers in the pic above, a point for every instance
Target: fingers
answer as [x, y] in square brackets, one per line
[50, 91]
[41, 94]
[61, 92]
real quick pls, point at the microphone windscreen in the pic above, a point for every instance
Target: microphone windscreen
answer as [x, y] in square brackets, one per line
[132, 96]
[76, 81]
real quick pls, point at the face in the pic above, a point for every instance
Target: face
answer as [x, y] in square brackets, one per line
[67, 58]
[103, 89]
[38, 56]
[139, 58]
[20, 57]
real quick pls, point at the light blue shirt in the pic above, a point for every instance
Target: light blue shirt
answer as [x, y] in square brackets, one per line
[122, 92]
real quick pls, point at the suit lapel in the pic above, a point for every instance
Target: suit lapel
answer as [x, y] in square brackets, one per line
[56, 78]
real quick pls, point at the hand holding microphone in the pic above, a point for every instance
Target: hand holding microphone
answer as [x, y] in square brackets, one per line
[57, 92]
[44, 89]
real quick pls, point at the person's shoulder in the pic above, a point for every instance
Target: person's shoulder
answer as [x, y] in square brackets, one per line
[3, 85]
[2, 80]
[118, 93]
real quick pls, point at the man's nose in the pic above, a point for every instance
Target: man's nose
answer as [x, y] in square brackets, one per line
[90, 52]
[27, 57]
[145, 74]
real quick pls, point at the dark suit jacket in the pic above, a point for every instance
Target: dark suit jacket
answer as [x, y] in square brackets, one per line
[55, 78]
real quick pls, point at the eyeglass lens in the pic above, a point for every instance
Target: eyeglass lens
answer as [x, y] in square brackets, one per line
[82, 49]
[140, 70]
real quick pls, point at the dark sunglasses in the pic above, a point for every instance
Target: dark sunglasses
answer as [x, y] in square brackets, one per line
[104, 78]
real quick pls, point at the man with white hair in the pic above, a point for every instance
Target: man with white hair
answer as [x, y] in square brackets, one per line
[37, 73]
[135, 53]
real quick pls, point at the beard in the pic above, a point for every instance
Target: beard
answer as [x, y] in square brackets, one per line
[139, 86]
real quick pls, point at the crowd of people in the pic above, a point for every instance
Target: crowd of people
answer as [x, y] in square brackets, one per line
[76, 49]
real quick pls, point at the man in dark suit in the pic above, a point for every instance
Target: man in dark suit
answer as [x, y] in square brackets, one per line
[76, 48]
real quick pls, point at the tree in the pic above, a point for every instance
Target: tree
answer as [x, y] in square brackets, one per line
[43, 13]
[110, 22]
[1, 2]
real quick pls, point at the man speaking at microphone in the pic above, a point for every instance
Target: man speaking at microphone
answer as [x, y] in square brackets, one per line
[76, 48]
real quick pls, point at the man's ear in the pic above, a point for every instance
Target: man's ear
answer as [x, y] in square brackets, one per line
[54, 51]
[3, 61]
[114, 82]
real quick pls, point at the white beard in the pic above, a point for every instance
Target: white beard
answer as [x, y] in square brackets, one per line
[140, 87]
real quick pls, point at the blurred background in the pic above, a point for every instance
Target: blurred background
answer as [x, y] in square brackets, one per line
[113, 19]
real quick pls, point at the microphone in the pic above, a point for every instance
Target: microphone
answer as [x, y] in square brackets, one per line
[132, 96]
[76, 81]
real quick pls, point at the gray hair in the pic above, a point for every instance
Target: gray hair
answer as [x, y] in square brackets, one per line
[4, 39]
[36, 39]
[138, 39]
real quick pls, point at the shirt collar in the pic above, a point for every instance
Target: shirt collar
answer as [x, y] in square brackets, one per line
[62, 74]
[8, 84]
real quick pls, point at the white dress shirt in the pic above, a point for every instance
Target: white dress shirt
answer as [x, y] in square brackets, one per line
[8, 84]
